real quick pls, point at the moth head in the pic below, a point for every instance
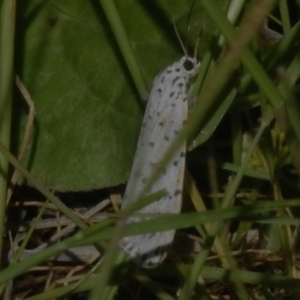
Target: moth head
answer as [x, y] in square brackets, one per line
[190, 65]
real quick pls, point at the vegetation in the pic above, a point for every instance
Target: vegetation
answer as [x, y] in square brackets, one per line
[85, 68]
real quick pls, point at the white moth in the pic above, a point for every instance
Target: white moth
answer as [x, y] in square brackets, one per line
[166, 112]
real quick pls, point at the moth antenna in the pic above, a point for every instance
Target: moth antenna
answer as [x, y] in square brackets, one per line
[197, 44]
[184, 45]
[180, 40]
[188, 23]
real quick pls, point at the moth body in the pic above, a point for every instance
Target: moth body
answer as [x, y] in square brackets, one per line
[166, 112]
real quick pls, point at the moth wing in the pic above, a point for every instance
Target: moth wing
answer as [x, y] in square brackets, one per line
[165, 114]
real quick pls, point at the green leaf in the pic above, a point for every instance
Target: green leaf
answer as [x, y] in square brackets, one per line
[88, 112]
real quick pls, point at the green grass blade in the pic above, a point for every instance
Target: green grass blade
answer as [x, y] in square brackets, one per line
[124, 45]
[7, 38]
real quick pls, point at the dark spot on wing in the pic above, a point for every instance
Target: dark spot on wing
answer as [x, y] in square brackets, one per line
[166, 138]
[177, 193]
[175, 163]
[177, 70]
[151, 144]
[151, 235]
[182, 154]
[153, 165]
[172, 94]
[159, 90]
[175, 79]
[161, 123]
[129, 247]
